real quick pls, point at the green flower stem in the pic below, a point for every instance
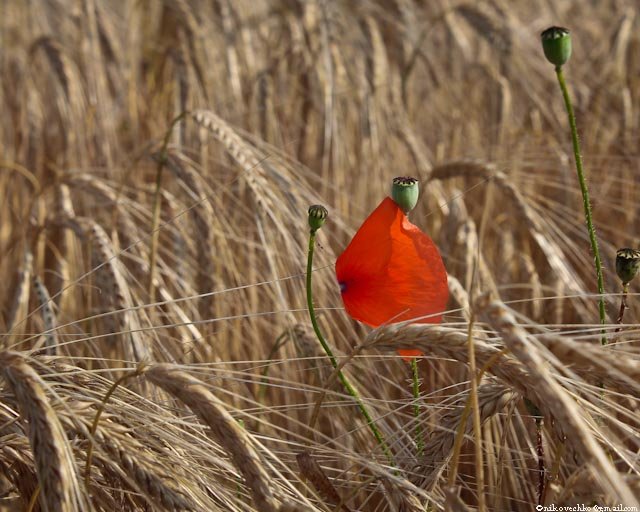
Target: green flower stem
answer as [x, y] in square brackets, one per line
[416, 404]
[585, 197]
[347, 385]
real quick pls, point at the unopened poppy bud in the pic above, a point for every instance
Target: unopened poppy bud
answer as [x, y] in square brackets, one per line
[627, 264]
[317, 215]
[556, 43]
[405, 192]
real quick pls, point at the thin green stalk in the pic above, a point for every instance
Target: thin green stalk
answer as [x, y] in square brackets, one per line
[155, 220]
[347, 385]
[416, 404]
[585, 197]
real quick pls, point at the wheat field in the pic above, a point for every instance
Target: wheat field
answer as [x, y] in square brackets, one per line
[157, 162]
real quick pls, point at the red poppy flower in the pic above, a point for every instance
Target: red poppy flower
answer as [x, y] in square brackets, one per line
[392, 272]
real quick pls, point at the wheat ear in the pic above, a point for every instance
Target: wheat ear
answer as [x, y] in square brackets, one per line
[564, 409]
[59, 490]
[226, 430]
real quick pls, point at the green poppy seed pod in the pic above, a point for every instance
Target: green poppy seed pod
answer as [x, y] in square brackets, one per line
[405, 192]
[627, 264]
[556, 43]
[317, 215]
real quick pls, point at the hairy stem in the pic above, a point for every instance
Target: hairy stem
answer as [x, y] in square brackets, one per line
[345, 382]
[585, 197]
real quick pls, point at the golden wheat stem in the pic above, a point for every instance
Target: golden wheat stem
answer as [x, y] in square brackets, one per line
[94, 426]
[33, 500]
[475, 408]
[457, 445]
[157, 197]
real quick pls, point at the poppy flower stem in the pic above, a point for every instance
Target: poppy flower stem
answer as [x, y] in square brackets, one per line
[416, 404]
[585, 197]
[343, 379]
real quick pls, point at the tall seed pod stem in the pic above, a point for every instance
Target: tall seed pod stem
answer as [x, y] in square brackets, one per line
[317, 216]
[556, 43]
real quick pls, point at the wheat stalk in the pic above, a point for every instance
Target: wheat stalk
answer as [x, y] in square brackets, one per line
[492, 400]
[20, 301]
[48, 316]
[114, 290]
[531, 220]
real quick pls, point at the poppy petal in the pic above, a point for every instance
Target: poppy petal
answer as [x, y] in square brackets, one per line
[408, 354]
[391, 271]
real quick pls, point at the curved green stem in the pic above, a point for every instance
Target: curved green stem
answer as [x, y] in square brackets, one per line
[415, 375]
[585, 197]
[345, 382]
